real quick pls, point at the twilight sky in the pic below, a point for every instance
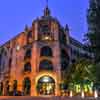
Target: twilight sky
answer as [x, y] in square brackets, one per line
[15, 14]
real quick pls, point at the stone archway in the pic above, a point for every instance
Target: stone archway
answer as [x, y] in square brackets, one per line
[46, 85]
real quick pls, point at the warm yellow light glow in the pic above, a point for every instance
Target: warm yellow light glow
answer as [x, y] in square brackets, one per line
[46, 74]
[46, 79]
[78, 88]
[95, 94]
[18, 48]
[82, 94]
[47, 38]
[71, 94]
[51, 74]
[87, 88]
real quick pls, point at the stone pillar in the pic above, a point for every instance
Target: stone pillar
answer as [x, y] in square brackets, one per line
[4, 92]
[3, 88]
[11, 86]
[20, 85]
[57, 90]
[33, 87]
[57, 67]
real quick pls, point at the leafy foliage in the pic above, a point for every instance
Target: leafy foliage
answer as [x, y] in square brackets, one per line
[81, 71]
[93, 35]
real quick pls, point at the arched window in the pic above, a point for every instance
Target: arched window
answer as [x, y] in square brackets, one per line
[64, 64]
[46, 51]
[0, 59]
[3, 59]
[29, 37]
[27, 67]
[62, 37]
[28, 53]
[15, 85]
[64, 54]
[46, 65]
[44, 28]
[64, 59]
[7, 87]
[27, 86]
[1, 89]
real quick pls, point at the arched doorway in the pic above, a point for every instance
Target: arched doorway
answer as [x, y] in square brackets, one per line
[46, 86]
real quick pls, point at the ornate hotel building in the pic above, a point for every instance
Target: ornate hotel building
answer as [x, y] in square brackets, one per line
[33, 62]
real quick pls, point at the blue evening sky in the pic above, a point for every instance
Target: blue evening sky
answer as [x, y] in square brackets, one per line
[15, 14]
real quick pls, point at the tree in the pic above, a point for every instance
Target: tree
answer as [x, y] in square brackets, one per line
[93, 35]
[97, 72]
[81, 71]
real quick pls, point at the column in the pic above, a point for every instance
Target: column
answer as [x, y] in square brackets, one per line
[10, 86]
[33, 88]
[20, 85]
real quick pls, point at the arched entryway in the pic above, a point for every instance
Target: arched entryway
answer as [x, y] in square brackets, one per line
[46, 86]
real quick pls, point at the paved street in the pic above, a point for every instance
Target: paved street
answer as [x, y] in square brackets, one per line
[46, 98]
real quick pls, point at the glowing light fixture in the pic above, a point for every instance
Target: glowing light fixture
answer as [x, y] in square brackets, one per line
[47, 38]
[71, 94]
[46, 79]
[17, 47]
[95, 94]
[82, 94]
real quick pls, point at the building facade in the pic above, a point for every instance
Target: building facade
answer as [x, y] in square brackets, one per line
[32, 63]
[79, 50]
